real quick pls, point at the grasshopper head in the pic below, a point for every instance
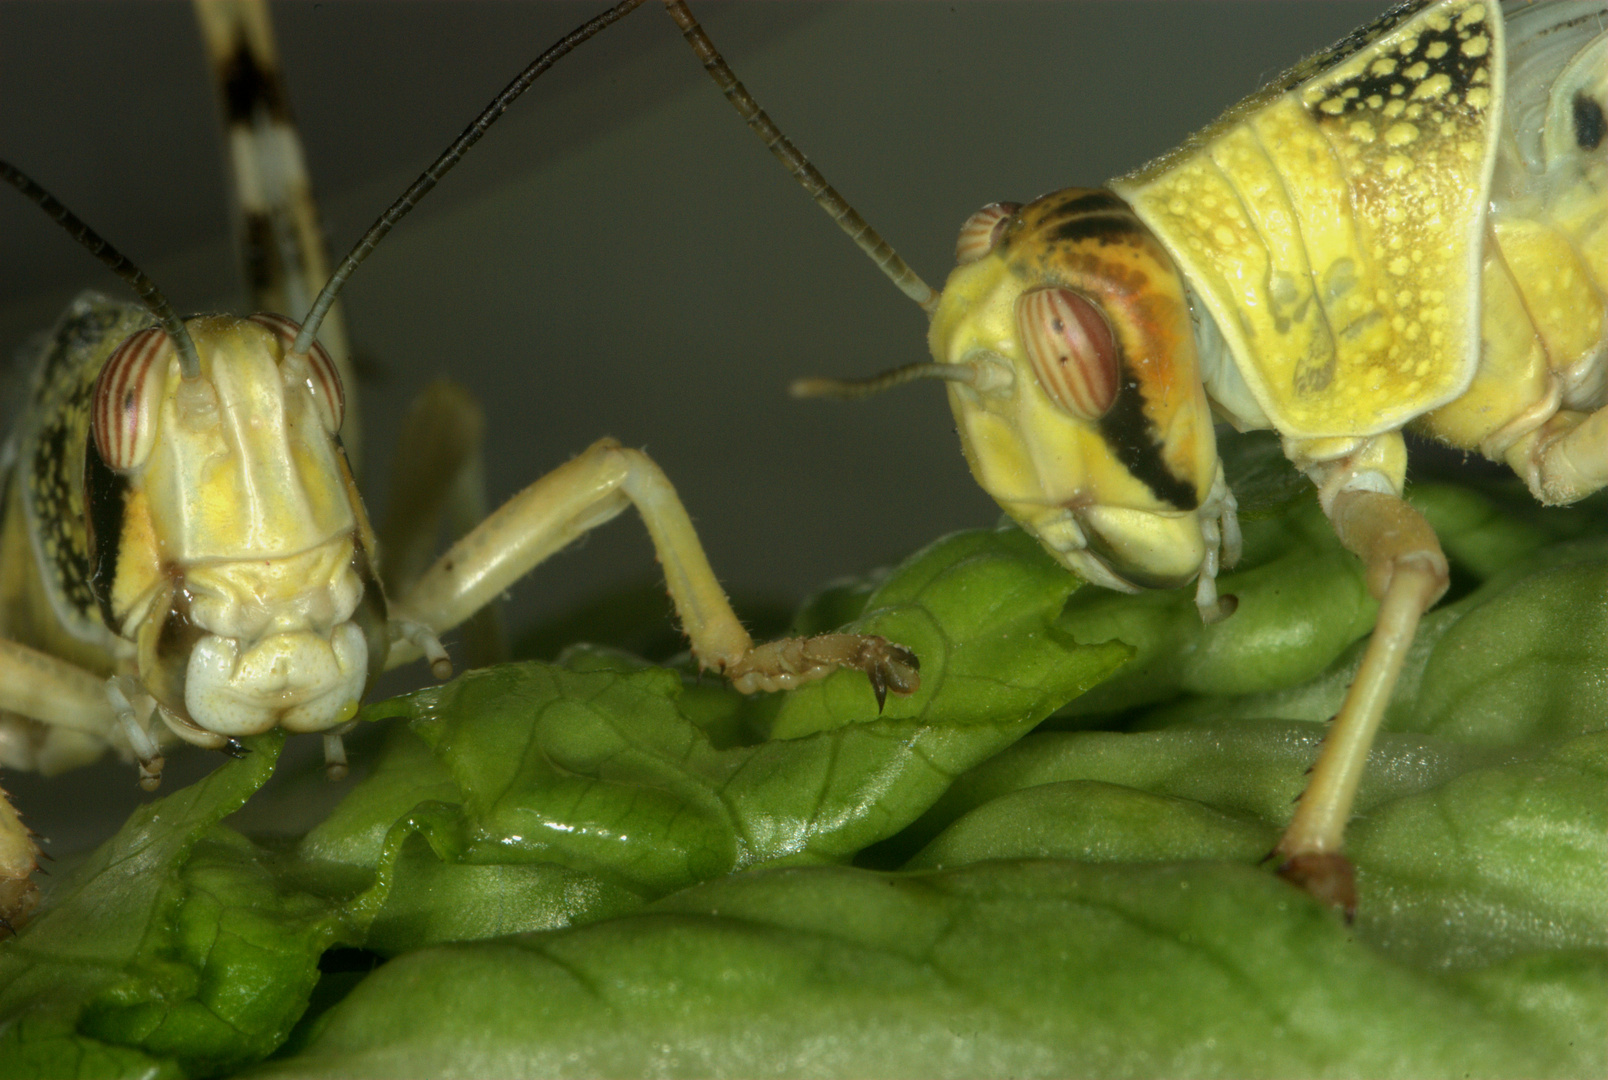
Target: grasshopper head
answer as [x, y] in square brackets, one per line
[1085, 418]
[229, 542]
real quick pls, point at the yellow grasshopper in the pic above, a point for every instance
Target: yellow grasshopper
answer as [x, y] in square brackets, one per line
[183, 551]
[1406, 230]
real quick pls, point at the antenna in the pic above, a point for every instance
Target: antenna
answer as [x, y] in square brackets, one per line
[120, 264]
[443, 164]
[855, 389]
[798, 166]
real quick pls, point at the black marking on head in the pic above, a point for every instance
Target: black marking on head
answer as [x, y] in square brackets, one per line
[105, 496]
[1589, 125]
[1102, 228]
[249, 91]
[1090, 202]
[1137, 444]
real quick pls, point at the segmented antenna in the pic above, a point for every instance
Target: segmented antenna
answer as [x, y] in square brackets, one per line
[855, 389]
[120, 264]
[798, 166]
[443, 164]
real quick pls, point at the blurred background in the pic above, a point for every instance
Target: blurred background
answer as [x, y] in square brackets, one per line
[620, 256]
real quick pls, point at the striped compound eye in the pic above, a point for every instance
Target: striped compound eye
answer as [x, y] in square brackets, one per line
[128, 391]
[982, 231]
[321, 378]
[1072, 350]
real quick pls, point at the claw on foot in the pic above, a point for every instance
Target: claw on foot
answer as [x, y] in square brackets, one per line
[791, 662]
[889, 667]
[1326, 876]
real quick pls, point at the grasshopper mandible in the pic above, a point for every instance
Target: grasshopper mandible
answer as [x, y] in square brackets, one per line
[182, 536]
[1409, 229]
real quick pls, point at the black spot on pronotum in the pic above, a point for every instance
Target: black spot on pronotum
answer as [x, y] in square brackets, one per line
[1589, 125]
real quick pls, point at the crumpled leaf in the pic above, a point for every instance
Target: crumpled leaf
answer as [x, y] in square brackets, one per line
[596, 767]
[177, 948]
[598, 867]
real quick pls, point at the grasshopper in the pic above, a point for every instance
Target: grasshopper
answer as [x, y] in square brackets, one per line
[1408, 230]
[183, 543]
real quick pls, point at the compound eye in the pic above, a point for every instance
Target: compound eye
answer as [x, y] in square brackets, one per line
[982, 231]
[321, 378]
[128, 396]
[1072, 349]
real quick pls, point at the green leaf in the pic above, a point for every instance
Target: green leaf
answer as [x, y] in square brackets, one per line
[596, 767]
[1497, 862]
[1302, 600]
[176, 948]
[1499, 667]
[431, 900]
[405, 775]
[598, 866]
[1036, 968]
[1464, 856]
[979, 609]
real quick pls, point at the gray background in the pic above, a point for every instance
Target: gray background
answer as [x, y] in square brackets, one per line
[620, 256]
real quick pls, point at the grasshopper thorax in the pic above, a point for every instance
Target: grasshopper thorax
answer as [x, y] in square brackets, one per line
[228, 543]
[1086, 420]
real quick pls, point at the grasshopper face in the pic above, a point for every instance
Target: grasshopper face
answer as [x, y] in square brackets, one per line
[229, 543]
[1086, 420]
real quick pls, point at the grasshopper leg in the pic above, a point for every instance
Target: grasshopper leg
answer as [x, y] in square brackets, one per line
[121, 692]
[60, 695]
[583, 494]
[781, 665]
[1407, 573]
[335, 764]
[1564, 459]
[440, 483]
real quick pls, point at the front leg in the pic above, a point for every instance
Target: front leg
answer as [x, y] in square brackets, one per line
[583, 494]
